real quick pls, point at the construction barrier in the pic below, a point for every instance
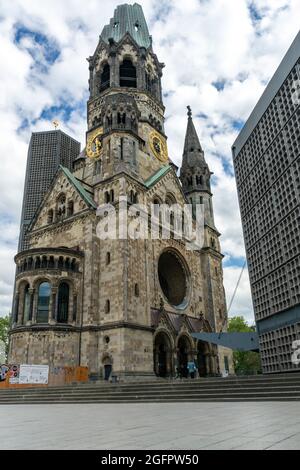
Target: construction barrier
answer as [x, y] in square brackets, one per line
[9, 376]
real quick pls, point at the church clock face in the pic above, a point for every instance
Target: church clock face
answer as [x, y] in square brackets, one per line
[158, 146]
[94, 144]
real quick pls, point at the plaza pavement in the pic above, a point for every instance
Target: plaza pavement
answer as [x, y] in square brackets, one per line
[169, 426]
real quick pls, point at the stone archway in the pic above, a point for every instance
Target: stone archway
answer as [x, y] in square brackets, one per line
[184, 352]
[162, 355]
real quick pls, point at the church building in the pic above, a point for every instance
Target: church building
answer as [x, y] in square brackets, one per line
[123, 306]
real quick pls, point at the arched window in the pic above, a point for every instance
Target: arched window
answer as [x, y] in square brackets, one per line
[44, 262]
[105, 78]
[43, 302]
[61, 207]
[127, 74]
[132, 197]
[60, 264]
[70, 208]
[121, 118]
[37, 264]
[50, 216]
[156, 208]
[26, 304]
[199, 179]
[63, 303]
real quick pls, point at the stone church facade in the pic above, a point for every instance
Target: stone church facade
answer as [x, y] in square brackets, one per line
[127, 306]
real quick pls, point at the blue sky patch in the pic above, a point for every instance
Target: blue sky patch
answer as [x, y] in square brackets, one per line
[231, 261]
[219, 84]
[50, 50]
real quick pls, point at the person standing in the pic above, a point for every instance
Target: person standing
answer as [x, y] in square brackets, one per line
[191, 369]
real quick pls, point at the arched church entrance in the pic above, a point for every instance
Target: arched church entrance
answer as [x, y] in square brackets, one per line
[107, 366]
[162, 355]
[183, 354]
[202, 358]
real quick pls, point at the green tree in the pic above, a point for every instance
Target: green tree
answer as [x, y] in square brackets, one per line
[245, 362]
[4, 327]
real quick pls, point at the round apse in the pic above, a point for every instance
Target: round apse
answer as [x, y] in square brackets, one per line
[172, 278]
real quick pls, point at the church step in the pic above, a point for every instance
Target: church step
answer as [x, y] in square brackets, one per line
[189, 385]
[175, 382]
[162, 390]
[286, 387]
[157, 396]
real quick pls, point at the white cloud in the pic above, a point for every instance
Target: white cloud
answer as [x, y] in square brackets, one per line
[218, 57]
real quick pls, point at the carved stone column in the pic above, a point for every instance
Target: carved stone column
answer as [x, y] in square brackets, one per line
[35, 305]
[53, 306]
[140, 70]
[74, 309]
[113, 67]
[16, 308]
[20, 311]
[31, 299]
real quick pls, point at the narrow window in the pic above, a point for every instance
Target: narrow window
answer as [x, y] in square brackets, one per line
[127, 74]
[50, 216]
[108, 258]
[107, 306]
[136, 290]
[70, 208]
[63, 303]
[105, 78]
[43, 302]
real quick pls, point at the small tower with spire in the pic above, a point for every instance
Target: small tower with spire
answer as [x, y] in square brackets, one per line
[195, 178]
[195, 174]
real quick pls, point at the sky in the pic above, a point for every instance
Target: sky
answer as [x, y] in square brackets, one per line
[219, 56]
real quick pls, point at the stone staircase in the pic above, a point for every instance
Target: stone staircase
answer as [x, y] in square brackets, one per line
[284, 387]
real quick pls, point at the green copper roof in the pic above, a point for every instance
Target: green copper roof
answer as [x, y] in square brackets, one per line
[128, 18]
[84, 194]
[159, 174]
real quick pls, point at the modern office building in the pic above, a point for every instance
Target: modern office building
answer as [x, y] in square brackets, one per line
[47, 150]
[266, 158]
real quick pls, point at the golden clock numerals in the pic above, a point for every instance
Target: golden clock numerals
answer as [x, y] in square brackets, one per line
[94, 144]
[158, 146]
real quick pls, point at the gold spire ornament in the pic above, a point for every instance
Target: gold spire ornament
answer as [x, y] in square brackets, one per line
[55, 123]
